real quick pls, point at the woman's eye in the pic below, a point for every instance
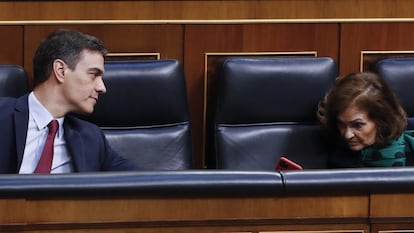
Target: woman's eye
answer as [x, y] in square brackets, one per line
[358, 125]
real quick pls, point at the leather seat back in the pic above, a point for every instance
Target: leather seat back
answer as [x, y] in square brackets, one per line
[145, 115]
[266, 108]
[13, 81]
[399, 74]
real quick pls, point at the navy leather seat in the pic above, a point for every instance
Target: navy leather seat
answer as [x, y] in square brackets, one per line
[266, 108]
[210, 183]
[188, 183]
[13, 81]
[144, 113]
[348, 181]
[399, 74]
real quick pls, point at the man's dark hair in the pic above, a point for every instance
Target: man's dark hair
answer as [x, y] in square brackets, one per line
[66, 45]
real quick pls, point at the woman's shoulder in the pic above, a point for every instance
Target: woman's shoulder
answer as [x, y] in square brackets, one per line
[408, 137]
[342, 157]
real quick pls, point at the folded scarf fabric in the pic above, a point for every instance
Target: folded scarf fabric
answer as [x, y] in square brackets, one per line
[392, 155]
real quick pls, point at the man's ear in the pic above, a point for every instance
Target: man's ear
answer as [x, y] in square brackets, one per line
[59, 67]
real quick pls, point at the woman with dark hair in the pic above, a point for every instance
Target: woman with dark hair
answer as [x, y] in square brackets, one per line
[365, 113]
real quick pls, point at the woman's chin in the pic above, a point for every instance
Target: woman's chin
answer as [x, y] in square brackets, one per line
[355, 147]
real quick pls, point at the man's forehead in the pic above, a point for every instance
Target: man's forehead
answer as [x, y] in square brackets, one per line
[93, 59]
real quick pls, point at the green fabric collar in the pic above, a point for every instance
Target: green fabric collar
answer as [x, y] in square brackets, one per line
[392, 155]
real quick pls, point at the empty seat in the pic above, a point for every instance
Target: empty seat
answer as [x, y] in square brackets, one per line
[399, 74]
[144, 113]
[13, 81]
[266, 108]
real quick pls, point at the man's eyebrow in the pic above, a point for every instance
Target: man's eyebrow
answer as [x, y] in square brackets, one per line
[96, 70]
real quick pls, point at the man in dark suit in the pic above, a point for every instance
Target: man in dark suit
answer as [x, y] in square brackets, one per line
[68, 69]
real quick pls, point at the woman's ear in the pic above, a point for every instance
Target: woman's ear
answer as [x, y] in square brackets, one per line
[59, 67]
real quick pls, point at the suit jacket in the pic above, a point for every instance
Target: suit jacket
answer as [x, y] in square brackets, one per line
[85, 141]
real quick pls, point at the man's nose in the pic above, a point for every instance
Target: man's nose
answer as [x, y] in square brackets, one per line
[100, 87]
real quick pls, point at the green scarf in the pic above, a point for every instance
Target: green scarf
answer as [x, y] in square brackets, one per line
[393, 155]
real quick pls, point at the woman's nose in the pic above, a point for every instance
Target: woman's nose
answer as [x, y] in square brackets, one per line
[348, 133]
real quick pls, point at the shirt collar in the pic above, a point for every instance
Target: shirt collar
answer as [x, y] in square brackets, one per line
[41, 115]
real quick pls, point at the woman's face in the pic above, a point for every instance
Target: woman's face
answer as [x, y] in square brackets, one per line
[356, 128]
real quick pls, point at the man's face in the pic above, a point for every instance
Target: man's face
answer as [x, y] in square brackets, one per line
[84, 84]
[357, 128]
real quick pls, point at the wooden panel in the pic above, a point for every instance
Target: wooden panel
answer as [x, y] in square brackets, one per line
[11, 41]
[190, 214]
[8, 207]
[236, 38]
[137, 228]
[202, 9]
[359, 37]
[332, 231]
[174, 209]
[392, 213]
[163, 39]
[393, 228]
[396, 205]
[370, 58]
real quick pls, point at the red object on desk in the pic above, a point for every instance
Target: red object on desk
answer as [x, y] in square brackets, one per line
[286, 164]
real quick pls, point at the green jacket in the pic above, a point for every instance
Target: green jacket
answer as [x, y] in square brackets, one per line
[393, 155]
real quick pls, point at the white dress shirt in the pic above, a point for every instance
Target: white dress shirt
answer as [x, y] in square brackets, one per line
[37, 131]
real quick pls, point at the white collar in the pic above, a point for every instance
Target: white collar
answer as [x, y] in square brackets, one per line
[41, 115]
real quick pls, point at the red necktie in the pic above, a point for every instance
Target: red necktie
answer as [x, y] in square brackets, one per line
[45, 162]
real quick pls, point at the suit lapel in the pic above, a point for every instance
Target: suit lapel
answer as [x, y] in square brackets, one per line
[75, 146]
[21, 119]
